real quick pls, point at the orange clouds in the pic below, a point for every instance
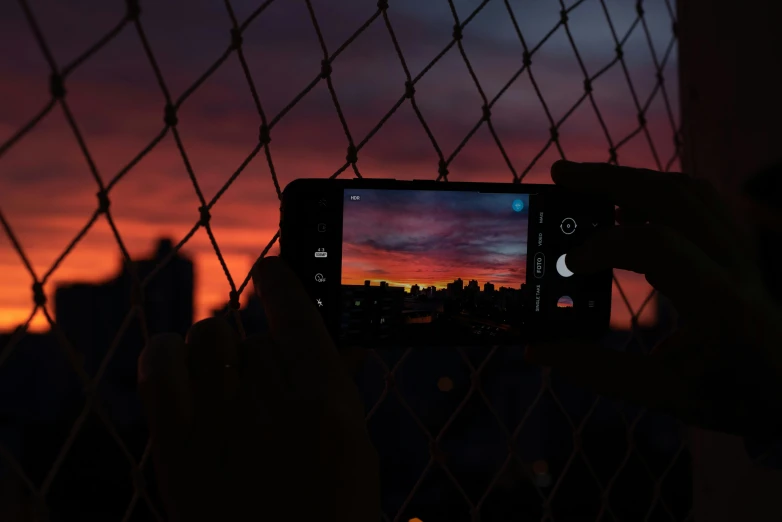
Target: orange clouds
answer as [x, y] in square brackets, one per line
[51, 196]
[48, 194]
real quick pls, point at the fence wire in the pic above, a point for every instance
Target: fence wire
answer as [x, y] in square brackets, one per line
[656, 506]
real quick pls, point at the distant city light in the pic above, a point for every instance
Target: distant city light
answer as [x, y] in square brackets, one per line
[445, 384]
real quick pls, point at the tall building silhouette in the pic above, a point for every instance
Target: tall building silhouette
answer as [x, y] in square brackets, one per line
[455, 288]
[91, 315]
[41, 395]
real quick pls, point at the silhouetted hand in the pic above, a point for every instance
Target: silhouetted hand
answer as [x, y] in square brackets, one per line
[278, 434]
[722, 369]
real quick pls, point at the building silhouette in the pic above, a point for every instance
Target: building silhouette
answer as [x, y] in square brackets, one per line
[455, 288]
[91, 315]
[41, 395]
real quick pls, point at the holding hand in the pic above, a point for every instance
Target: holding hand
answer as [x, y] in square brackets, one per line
[722, 369]
[266, 428]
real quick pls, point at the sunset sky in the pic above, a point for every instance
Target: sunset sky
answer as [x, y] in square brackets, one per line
[431, 238]
[47, 188]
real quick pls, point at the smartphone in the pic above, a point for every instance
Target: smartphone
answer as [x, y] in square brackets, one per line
[393, 263]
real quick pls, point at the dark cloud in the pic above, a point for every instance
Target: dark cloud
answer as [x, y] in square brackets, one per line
[115, 91]
[468, 230]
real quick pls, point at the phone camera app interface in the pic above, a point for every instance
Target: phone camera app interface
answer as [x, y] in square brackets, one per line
[433, 267]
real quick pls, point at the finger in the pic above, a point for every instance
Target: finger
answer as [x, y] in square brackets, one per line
[667, 198]
[275, 400]
[294, 322]
[687, 351]
[264, 379]
[636, 378]
[212, 361]
[631, 216]
[646, 191]
[671, 263]
[164, 388]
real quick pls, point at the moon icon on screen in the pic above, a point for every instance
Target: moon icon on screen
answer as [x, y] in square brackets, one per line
[562, 268]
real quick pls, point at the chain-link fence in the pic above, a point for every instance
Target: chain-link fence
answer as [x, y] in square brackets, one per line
[486, 435]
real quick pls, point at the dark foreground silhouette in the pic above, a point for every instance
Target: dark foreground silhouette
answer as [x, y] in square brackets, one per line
[271, 427]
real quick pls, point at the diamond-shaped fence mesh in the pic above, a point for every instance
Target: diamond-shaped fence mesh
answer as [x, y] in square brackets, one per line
[486, 435]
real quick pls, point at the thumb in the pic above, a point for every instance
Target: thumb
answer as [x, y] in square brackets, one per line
[293, 318]
[296, 326]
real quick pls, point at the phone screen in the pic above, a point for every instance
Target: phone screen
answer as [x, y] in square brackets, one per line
[444, 264]
[434, 267]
